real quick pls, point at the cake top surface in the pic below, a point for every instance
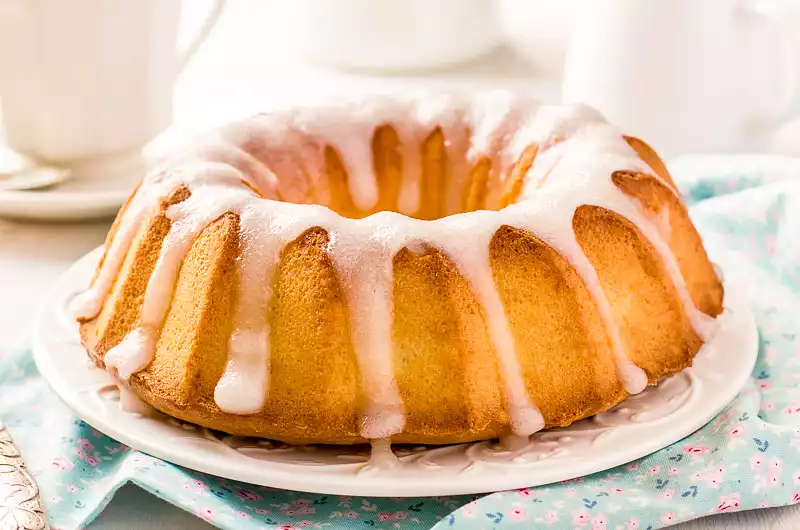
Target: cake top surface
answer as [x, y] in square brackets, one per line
[286, 161]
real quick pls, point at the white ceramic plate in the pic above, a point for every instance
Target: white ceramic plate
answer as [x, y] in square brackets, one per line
[92, 196]
[642, 424]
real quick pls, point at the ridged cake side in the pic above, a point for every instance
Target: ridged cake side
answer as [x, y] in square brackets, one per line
[443, 355]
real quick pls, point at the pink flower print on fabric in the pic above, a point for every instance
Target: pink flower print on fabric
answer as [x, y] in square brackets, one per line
[728, 502]
[736, 431]
[518, 513]
[696, 449]
[600, 522]
[62, 463]
[248, 495]
[580, 518]
[388, 517]
[714, 478]
[299, 507]
[206, 513]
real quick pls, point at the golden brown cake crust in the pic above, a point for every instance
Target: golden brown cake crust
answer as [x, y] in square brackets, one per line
[443, 359]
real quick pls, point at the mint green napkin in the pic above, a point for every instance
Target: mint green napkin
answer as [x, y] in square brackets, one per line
[748, 211]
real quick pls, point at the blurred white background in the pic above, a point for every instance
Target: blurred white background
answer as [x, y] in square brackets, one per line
[251, 63]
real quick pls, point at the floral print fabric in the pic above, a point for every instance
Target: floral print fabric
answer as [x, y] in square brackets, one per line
[748, 211]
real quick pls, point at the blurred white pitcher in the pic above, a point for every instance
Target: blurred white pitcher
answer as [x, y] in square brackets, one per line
[83, 79]
[681, 73]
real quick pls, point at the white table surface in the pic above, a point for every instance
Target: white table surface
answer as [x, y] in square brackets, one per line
[224, 81]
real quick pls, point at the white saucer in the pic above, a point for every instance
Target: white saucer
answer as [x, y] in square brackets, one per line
[645, 423]
[87, 194]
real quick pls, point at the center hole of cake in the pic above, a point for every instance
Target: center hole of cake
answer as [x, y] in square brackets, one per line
[427, 179]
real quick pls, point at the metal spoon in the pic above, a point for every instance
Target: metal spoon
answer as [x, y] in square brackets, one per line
[20, 503]
[18, 173]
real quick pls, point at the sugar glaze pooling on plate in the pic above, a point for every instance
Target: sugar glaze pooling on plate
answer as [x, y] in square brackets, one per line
[577, 153]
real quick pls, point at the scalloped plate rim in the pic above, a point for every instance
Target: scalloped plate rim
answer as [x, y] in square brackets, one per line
[342, 479]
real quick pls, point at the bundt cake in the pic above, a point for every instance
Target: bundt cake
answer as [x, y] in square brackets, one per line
[433, 270]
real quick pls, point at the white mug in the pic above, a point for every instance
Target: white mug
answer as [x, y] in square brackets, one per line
[681, 73]
[392, 35]
[83, 80]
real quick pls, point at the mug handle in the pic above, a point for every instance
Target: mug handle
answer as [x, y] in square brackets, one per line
[770, 12]
[202, 34]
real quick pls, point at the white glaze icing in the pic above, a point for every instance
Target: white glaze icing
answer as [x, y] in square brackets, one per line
[87, 304]
[248, 351]
[130, 402]
[281, 156]
[381, 456]
[663, 223]
[124, 398]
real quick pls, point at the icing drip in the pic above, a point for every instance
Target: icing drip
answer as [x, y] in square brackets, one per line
[351, 129]
[432, 113]
[135, 351]
[661, 220]
[513, 442]
[132, 354]
[242, 389]
[633, 378]
[578, 153]
[525, 418]
[703, 324]
[363, 258]
[87, 304]
[470, 254]
[382, 456]
[130, 402]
